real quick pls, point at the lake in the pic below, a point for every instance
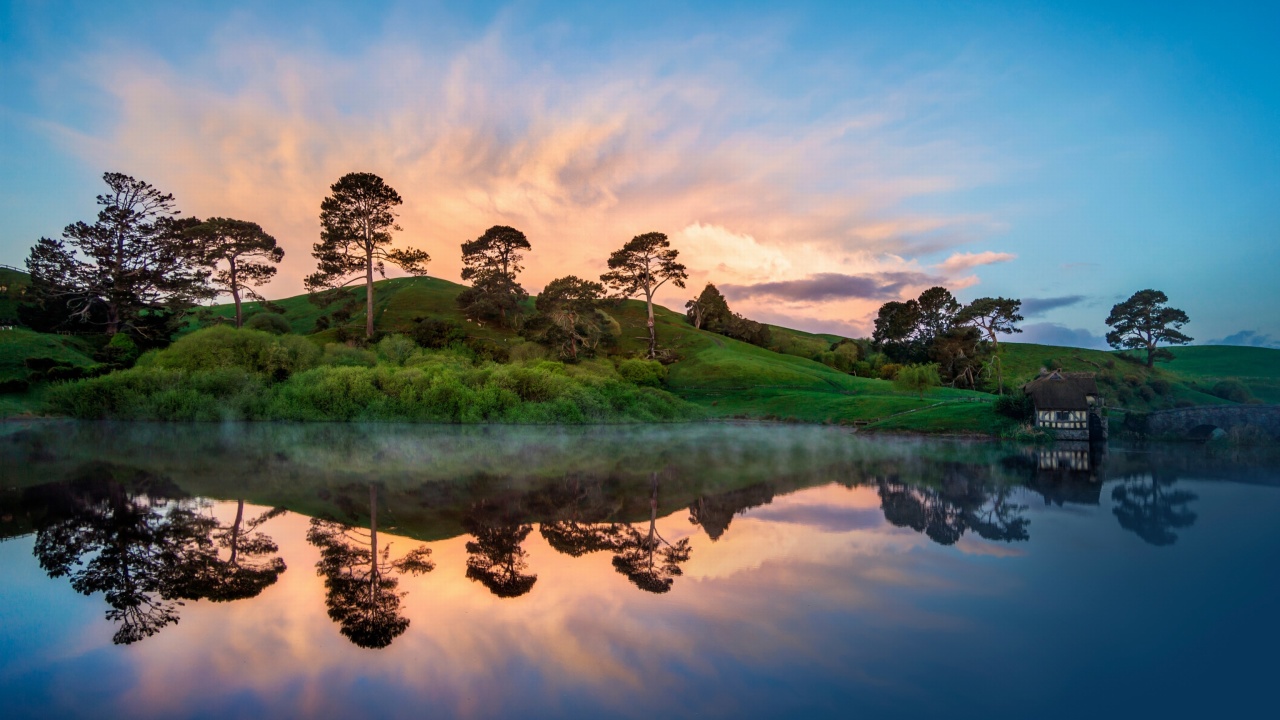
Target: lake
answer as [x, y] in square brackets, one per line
[752, 570]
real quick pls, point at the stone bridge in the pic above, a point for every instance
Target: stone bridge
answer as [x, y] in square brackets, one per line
[1199, 423]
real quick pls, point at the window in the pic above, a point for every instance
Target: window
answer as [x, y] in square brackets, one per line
[1063, 416]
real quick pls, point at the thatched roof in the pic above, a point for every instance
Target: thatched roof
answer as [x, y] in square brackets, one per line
[1062, 391]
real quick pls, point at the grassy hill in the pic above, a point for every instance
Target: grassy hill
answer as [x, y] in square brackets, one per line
[732, 379]
[728, 377]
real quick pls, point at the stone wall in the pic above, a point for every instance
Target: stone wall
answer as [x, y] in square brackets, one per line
[1181, 422]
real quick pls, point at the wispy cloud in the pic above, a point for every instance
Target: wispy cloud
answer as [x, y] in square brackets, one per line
[1035, 307]
[831, 286]
[581, 159]
[1047, 333]
[959, 262]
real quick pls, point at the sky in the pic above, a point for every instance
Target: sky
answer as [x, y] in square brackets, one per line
[813, 160]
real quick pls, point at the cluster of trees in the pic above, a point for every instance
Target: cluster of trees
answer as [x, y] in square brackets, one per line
[936, 328]
[710, 311]
[139, 267]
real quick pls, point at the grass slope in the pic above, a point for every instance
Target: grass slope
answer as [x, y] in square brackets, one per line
[728, 377]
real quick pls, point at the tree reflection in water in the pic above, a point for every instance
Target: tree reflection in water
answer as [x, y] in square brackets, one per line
[962, 503]
[647, 559]
[714, 512]
[133, 536]
[360, 580]
[495, 557]
[1148, 506]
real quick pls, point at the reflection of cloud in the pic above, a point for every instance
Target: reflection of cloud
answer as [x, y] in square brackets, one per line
[1035, 307]
[960, 262]
[823, 517]
[1056, 334]
[579, 159]
[1247, 338]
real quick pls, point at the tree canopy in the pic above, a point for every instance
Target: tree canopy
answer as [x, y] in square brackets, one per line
[356, 222]
[993, 316]
[132, 269]
[491, 263]
[1143, 322]
[240, 256]
[640, 267]
[570, 307]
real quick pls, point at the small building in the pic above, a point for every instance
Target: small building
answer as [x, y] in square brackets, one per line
[1068, 405]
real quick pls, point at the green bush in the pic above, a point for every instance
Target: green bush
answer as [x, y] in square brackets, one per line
[650, 373]
[396, 349]
[889, 371]
[268, 322]
[339, 355]
[917, 378]
[120, 350]
[526, 351]
[1232, 390]
[221, 347]
[1016, 405]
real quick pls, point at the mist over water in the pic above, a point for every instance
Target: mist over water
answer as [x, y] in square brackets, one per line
[748, 570]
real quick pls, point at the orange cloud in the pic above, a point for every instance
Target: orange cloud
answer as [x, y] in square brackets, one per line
[580, 163]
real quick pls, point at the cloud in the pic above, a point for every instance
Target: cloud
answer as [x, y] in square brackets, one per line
[1056, 334]
[960, 262]
[1035, 307]
[752, 188]
[1247, 338]
[831, 286]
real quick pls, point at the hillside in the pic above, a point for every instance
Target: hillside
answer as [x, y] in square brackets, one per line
[728, 377]
[732, 379]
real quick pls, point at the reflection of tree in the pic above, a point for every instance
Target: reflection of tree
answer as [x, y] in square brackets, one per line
[575, 505]
[129, 536]
[1149, 507]
[360, 581]
[496, 559]
[962, 504]
[647, 559]
[250, 567]
[715, 512]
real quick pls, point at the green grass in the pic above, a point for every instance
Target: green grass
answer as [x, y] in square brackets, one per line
[17, 345]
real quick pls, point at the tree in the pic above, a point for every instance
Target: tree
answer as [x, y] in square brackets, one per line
[709, 311]
[957, 355]
[917, 378]
[356, 221]
[938, 310]
[570, 305]
[642, 266]
[250, 566]
[133, 269]
[491, 263]
[993, 316]
[897, 329]
[1143, 321]
[240, 256]
[361, 591]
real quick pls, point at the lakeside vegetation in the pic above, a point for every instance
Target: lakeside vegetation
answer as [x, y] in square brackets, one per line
[120, 291]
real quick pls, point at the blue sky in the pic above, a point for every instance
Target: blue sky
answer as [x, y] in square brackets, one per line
[818, 159]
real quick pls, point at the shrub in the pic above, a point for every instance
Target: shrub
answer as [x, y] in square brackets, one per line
[433, 333]
[917, 378]
[268, 322]
[338, 355]
[396, 349]
[526, 351]
[862, 368]
[649, 373]
[120, 350]
[889, 371]
[1160, 386]
[1016, 405]
[13, 386]
[223, 347]
[1232, 390]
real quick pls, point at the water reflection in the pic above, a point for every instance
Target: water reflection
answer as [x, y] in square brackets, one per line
[361, 583]
[137, 539]
[1152, 508]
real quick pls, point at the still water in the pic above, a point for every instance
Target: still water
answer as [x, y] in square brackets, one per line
[160, 571]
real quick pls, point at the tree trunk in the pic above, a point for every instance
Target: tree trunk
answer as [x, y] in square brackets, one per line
[113, 319]
[368, 298]
[235, 294]
[653, 333]
[235, 531]
[373, 542]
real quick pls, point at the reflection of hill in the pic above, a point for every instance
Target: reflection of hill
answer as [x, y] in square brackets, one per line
[715, 512]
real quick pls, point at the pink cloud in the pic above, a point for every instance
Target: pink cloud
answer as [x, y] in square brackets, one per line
[959, 262]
